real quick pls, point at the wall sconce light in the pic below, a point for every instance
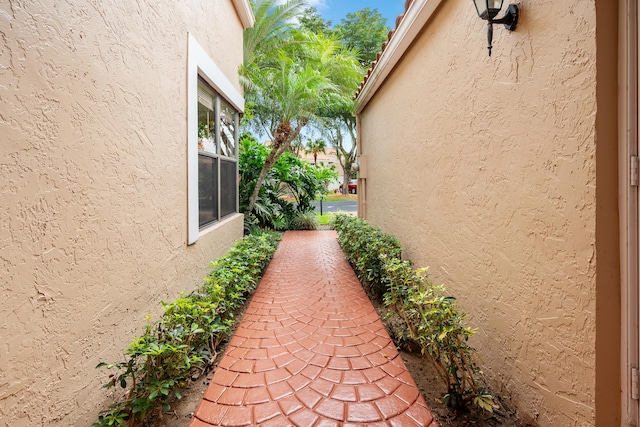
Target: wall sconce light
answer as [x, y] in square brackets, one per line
[488, 9]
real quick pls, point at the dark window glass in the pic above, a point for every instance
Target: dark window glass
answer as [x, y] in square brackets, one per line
[207, 189]
[228, 186]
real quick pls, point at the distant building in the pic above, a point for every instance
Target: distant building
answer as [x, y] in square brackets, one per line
[328, 159]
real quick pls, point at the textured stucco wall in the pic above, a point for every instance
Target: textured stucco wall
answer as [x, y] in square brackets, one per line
[93, 188]
[485, 168]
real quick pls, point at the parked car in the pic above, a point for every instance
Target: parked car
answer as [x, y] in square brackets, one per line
[353, 186]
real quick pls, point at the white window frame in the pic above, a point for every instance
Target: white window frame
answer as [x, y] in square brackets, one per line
[200, 64]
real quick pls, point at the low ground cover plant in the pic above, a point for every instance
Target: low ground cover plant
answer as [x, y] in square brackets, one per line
[182, 344]
[431, 318]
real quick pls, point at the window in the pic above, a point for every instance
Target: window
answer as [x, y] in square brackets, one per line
[213, 110]
[217, 158]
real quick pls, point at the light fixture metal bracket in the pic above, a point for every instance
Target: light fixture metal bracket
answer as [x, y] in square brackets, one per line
[509, 20]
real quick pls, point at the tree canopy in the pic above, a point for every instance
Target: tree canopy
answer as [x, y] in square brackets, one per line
[364, 31]
[312, 21]
[298, 70]
[290, 75]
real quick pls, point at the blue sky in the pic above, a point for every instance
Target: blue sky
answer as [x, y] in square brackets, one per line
[335, 10]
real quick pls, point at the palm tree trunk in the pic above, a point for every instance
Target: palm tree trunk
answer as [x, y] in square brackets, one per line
[283, 137]
[271, 159]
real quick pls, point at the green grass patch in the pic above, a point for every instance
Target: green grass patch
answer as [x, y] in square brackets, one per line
[326, 218]
[330, 197]
[337, 197]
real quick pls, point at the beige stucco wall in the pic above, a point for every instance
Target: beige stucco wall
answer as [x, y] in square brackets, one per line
[93, 188]
[486, 169]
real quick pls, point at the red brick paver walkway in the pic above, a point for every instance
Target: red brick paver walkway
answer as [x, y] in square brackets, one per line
[311, 351]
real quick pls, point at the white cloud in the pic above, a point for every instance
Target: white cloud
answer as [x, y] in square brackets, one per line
[318, 4]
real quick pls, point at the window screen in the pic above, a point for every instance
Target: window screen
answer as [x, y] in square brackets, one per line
[228, 186]
[207, 189]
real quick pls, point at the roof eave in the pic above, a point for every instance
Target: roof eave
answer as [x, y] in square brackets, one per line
[415, 18]
[243, 7]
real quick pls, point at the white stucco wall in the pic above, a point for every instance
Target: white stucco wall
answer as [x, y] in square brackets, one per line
[485, 168]
[93, 188]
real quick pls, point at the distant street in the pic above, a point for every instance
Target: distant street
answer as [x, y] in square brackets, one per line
[350, 206]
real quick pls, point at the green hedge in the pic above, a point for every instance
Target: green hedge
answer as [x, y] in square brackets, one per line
[364, 246]
[431, 318]
[183, 343]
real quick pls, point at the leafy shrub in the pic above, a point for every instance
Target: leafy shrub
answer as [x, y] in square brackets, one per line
[251, 224]
[435, 324]
[289, 179]
[432, 319]
[365, 247]
[182, 344]
[304, 221]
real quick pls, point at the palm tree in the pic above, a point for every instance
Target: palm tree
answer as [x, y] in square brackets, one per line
[297, 145]
[286, 102]
[316, 147]
[267, 36]
[289, 83]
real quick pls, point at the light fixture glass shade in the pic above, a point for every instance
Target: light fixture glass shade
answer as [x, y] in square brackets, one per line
[488, 9]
